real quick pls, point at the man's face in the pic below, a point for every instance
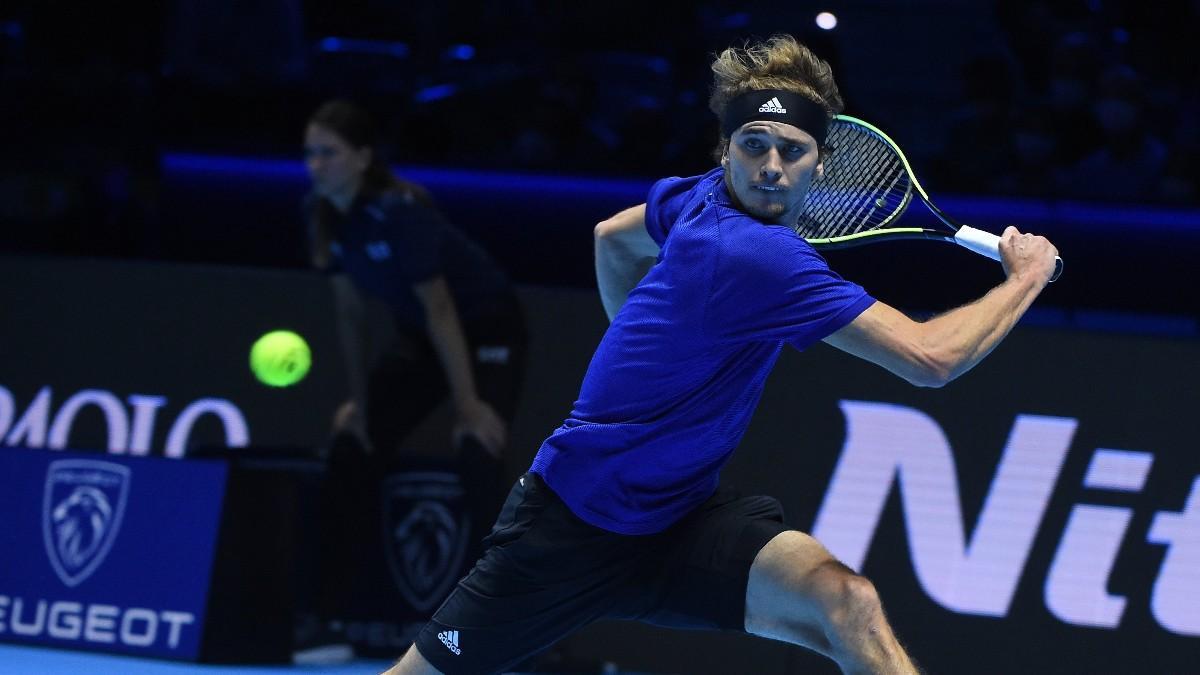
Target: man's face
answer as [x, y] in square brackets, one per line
[768, 168]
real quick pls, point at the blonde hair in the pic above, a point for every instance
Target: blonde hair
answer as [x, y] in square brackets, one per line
[780, 62]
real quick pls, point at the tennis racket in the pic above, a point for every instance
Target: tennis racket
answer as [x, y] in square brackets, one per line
[866, 186]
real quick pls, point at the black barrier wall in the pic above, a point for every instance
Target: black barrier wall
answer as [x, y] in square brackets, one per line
[1041, 514]
[153, 359]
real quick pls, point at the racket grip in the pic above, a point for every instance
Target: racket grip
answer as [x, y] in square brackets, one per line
[987, 244]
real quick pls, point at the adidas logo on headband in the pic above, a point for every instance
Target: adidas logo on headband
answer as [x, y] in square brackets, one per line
[781, 106]
[773, 106]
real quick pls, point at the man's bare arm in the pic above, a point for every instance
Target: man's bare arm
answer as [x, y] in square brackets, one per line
[934, 352]
[624, 253]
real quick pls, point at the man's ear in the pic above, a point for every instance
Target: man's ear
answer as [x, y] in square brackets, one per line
[819, 172]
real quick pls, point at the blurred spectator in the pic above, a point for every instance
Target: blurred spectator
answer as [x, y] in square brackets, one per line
[1181, 176]
[1034, 160]
[1033, 28]
[1074, 65]
[1180, 179]
[1131, 162]
[1116, 134]
[553, 128]
[978, 144]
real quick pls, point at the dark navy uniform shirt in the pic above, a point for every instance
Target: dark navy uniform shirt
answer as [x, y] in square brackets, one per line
[389, 242]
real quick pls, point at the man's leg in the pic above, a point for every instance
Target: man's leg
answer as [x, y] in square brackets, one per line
[544, 575]
[799, 593]
[413, 664]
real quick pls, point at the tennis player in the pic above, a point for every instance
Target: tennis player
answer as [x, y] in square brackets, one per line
[621, 515]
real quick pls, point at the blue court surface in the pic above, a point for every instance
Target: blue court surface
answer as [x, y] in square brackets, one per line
[15, 659]
[18, 660]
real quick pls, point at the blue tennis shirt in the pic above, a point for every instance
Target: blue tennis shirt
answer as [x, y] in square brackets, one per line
[675, 380]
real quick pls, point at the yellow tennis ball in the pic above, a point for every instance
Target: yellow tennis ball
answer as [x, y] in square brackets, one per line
[280, 358]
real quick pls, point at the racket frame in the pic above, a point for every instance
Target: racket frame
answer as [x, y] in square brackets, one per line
[882, 232]
[980, 241]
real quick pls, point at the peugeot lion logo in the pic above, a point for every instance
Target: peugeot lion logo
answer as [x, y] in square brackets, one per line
[81, 514]
[426, 530]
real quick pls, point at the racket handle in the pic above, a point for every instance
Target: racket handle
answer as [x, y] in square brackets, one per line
[987, 244]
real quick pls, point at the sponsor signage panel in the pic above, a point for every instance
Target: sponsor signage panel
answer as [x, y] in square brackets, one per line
[1042, 513]
[107, 553]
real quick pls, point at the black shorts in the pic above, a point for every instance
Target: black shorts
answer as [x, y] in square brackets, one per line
[545, 573]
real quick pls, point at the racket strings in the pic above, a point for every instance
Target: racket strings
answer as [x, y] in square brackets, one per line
[878, 168]
[866, 178]
[865, 172]
[864, 186]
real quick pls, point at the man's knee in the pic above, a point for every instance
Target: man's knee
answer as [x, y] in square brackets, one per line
[849, 599]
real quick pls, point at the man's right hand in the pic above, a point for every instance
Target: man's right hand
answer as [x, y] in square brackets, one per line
[1027, 254]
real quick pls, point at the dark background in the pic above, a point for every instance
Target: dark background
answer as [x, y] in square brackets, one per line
[166, 136]
[1079, 119]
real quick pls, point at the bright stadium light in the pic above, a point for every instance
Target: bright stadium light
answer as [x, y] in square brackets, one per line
[826, 21]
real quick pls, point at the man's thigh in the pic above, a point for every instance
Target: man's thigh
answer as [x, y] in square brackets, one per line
[705, 562]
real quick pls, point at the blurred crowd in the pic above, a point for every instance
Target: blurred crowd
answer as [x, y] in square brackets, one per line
[1088, 99]
[1095, 102]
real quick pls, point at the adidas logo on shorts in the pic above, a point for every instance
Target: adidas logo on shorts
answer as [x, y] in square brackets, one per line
[773, 106]
[450, 639]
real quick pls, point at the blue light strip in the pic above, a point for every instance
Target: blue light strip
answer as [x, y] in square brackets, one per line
[237, 166]
[1102, 321]
[335, 44]
[247, 169]
[1108, 219]
[435, 92]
